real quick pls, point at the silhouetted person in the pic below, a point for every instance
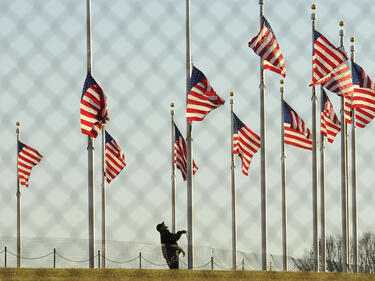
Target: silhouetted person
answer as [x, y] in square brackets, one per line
[169, 246]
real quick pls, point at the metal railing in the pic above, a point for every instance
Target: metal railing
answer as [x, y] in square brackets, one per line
[211, 263]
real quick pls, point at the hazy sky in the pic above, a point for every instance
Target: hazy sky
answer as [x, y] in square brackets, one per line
[139, 61]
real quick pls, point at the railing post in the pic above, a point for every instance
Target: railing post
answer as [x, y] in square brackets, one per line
[270, 265]
[98, 258]
[5, 257]
[212, 263]
[54, 257]
[243, 264]
[140, 260]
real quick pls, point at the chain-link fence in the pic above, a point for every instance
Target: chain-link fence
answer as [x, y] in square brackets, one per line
[139, 61]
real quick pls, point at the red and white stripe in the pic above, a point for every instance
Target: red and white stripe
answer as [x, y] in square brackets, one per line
[93, 108]
[363, 100]
[329, 123]
[340, 81]
[180, 154]
[364, 105]
[325, 59]
[202, 98]
[265, 45]
[114, 159]
[245, 143]
[27, 159]
[296, 138]
[295, 130]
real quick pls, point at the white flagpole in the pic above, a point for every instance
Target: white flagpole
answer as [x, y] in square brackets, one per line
[173, 164]
[103, 254]
[18, 194]
[234, 206]
[354, 181]
[189, 148]
[263, 185]
[322, 195]
[314, 161]
[283, 184]
[344, 186]
[90, 151]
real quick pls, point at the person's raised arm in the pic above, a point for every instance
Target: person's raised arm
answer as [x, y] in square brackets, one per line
[175, 236]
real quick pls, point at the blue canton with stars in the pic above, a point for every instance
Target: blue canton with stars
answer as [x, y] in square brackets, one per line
[196, 77]
[237, 124]
[88, 82]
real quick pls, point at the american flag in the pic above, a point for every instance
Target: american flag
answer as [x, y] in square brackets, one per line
[93, 109]
[330, 67]
[201, 98]
[180, 155]
[363, 99]
[27, 158]
[326, 57]
[295, 131]
[114, 158]
[265, 45]
[329, 123]
[245, 143]
[341, 81]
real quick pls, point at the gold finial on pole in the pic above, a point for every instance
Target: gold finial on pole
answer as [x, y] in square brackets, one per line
[352, 39]
[282, 88]
[313, 7]
[341, 23]
[172, 109]
[232, 98]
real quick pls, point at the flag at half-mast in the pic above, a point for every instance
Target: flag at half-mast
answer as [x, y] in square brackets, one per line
[330, 67]
[93, 109]
[201, 97]
[245, 143]
[295, 130]
[265, 45]
[329, 123]
[363, 99]
[114, 158]
[180, 155]
[27, 158]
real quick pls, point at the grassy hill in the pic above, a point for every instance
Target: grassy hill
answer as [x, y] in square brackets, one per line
[31, 274]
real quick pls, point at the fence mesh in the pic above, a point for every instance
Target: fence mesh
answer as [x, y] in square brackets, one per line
[139, 61]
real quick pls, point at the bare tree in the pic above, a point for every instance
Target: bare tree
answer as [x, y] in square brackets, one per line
[366, 252]
[366, 255]
[334, 254]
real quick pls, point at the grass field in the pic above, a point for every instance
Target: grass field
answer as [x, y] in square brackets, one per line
[45, 274]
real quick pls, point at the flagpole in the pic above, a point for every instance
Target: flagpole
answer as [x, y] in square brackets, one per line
[283, 184]
[189, 147]
[314, 160]
[354, 180]
[322, 195]
[344, 191]
[18, 194]
[263, 186]
[103, 253]
[234, 205]
[173, 164]
[90, 151]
